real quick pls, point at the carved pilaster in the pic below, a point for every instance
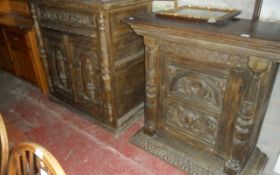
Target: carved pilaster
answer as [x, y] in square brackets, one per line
[41, 45]
[151, 64]
[105, 67]
[246, 117]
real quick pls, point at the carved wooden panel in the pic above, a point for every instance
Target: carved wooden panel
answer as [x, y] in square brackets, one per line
[207, 90]
[202, 88]
[96, 62]
[67, 20]
[199, 125]
[205, 55]
[56, 45]
[201, 99]
[66, 16]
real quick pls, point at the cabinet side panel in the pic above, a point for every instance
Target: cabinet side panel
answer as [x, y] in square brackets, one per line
[127, 51]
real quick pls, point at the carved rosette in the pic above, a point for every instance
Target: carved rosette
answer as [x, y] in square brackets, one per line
[246, 117]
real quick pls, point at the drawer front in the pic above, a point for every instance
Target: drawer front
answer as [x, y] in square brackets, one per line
[68, 20]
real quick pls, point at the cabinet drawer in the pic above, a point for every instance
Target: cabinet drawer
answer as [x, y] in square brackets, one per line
[68, 20]
[214, 58]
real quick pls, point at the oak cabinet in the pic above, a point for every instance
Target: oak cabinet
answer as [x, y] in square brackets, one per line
[207, 90]
[95, 62]
[19, 53]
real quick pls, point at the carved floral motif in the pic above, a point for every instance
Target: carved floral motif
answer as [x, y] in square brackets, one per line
[197, 86]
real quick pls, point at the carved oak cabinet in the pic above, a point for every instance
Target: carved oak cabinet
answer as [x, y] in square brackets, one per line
[95, 62]
[207, 90]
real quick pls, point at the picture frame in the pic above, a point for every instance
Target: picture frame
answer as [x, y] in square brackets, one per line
[197, 13]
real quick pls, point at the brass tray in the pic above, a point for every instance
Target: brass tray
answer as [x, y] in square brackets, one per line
[196, 13]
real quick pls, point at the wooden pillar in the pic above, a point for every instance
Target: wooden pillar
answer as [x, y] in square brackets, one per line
[241, 148]
[105, 69]
[151, 64]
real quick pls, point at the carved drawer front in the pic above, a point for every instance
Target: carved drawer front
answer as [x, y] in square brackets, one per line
[59, 63]
[68, 20]
[198, 55]
[193, 123]
[198, 88]
[86, 73]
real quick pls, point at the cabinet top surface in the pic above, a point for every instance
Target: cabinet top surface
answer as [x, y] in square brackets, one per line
[240, 29]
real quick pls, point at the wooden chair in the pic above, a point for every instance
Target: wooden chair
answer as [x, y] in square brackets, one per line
[32, 159]
[4, 147]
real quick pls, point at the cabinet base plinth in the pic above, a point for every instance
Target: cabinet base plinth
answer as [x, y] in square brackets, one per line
[192, 160]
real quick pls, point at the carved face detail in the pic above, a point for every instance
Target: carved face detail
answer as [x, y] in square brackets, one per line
[192, 121]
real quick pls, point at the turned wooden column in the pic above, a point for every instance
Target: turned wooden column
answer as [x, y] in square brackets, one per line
[243, 127]
[41, 46]
[151, 64]
[105, 67]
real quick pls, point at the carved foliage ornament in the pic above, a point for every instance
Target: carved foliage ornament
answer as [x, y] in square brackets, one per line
[59, 15]
[197, 86]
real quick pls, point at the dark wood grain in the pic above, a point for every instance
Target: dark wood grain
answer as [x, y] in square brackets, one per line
[19, 52]
[94, 61]
[208, 88]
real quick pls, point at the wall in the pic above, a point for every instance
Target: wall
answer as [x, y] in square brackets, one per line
[247, 6]
[270, 10]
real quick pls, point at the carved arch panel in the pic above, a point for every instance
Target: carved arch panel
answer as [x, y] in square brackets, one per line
[59, 63]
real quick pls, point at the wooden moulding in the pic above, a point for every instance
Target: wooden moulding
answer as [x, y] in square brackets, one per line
[190, 159]
[207, 91]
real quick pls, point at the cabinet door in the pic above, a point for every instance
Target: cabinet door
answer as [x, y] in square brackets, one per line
[59, 64]
[5, 57]
[22, 55]
[192, 93]
[86, 74]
